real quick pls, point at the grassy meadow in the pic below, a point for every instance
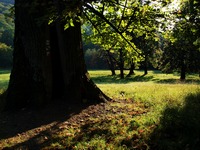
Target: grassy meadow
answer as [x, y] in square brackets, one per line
[156, 111]
[172, 120]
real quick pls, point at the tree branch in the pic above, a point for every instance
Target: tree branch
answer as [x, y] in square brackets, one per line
[109, 23]
[122, 14]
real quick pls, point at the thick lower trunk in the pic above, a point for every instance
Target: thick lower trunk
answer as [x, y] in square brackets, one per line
[90, 93]
[48, 64]
[77, 85]
[27, 84]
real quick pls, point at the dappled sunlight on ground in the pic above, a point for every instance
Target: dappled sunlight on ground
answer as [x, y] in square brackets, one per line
[37, 133]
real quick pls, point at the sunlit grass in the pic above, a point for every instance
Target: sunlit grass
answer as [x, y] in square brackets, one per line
[159, 89]
[104, 76]
[135, 128]
[158, 92]
[146, 113]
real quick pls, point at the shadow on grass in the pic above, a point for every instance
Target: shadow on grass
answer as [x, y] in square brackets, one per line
[141, 78]
[116, 79]
[95, 133]
[174, 81]
[34, 123]
[2, 100]
[3, 84]
[179, 127]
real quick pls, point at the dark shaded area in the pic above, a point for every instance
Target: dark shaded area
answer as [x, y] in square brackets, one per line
[2, 101]
[15, 123]
[95, 59]
[4, 71]
[57, 74]
[174, 81]
[179, 127]
[3, 84]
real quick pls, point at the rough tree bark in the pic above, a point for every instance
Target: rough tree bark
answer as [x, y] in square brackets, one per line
[48, 62]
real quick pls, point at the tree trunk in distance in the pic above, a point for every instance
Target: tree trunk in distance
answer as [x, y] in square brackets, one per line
[121, 66]
[183, 71]
[131, 70]
[111, 63]
[145, 65]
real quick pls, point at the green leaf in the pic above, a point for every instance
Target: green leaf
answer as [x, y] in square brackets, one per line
[66, 26]
[50, 21]
[71, 22]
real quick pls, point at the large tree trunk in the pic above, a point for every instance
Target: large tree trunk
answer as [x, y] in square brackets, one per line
[27, 84]
[48, 63]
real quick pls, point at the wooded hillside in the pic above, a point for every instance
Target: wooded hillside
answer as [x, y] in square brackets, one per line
[6, 33]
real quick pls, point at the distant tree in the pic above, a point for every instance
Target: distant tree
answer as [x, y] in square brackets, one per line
[111, 62]
[181, 49]
[123, 24]
[148, 45]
